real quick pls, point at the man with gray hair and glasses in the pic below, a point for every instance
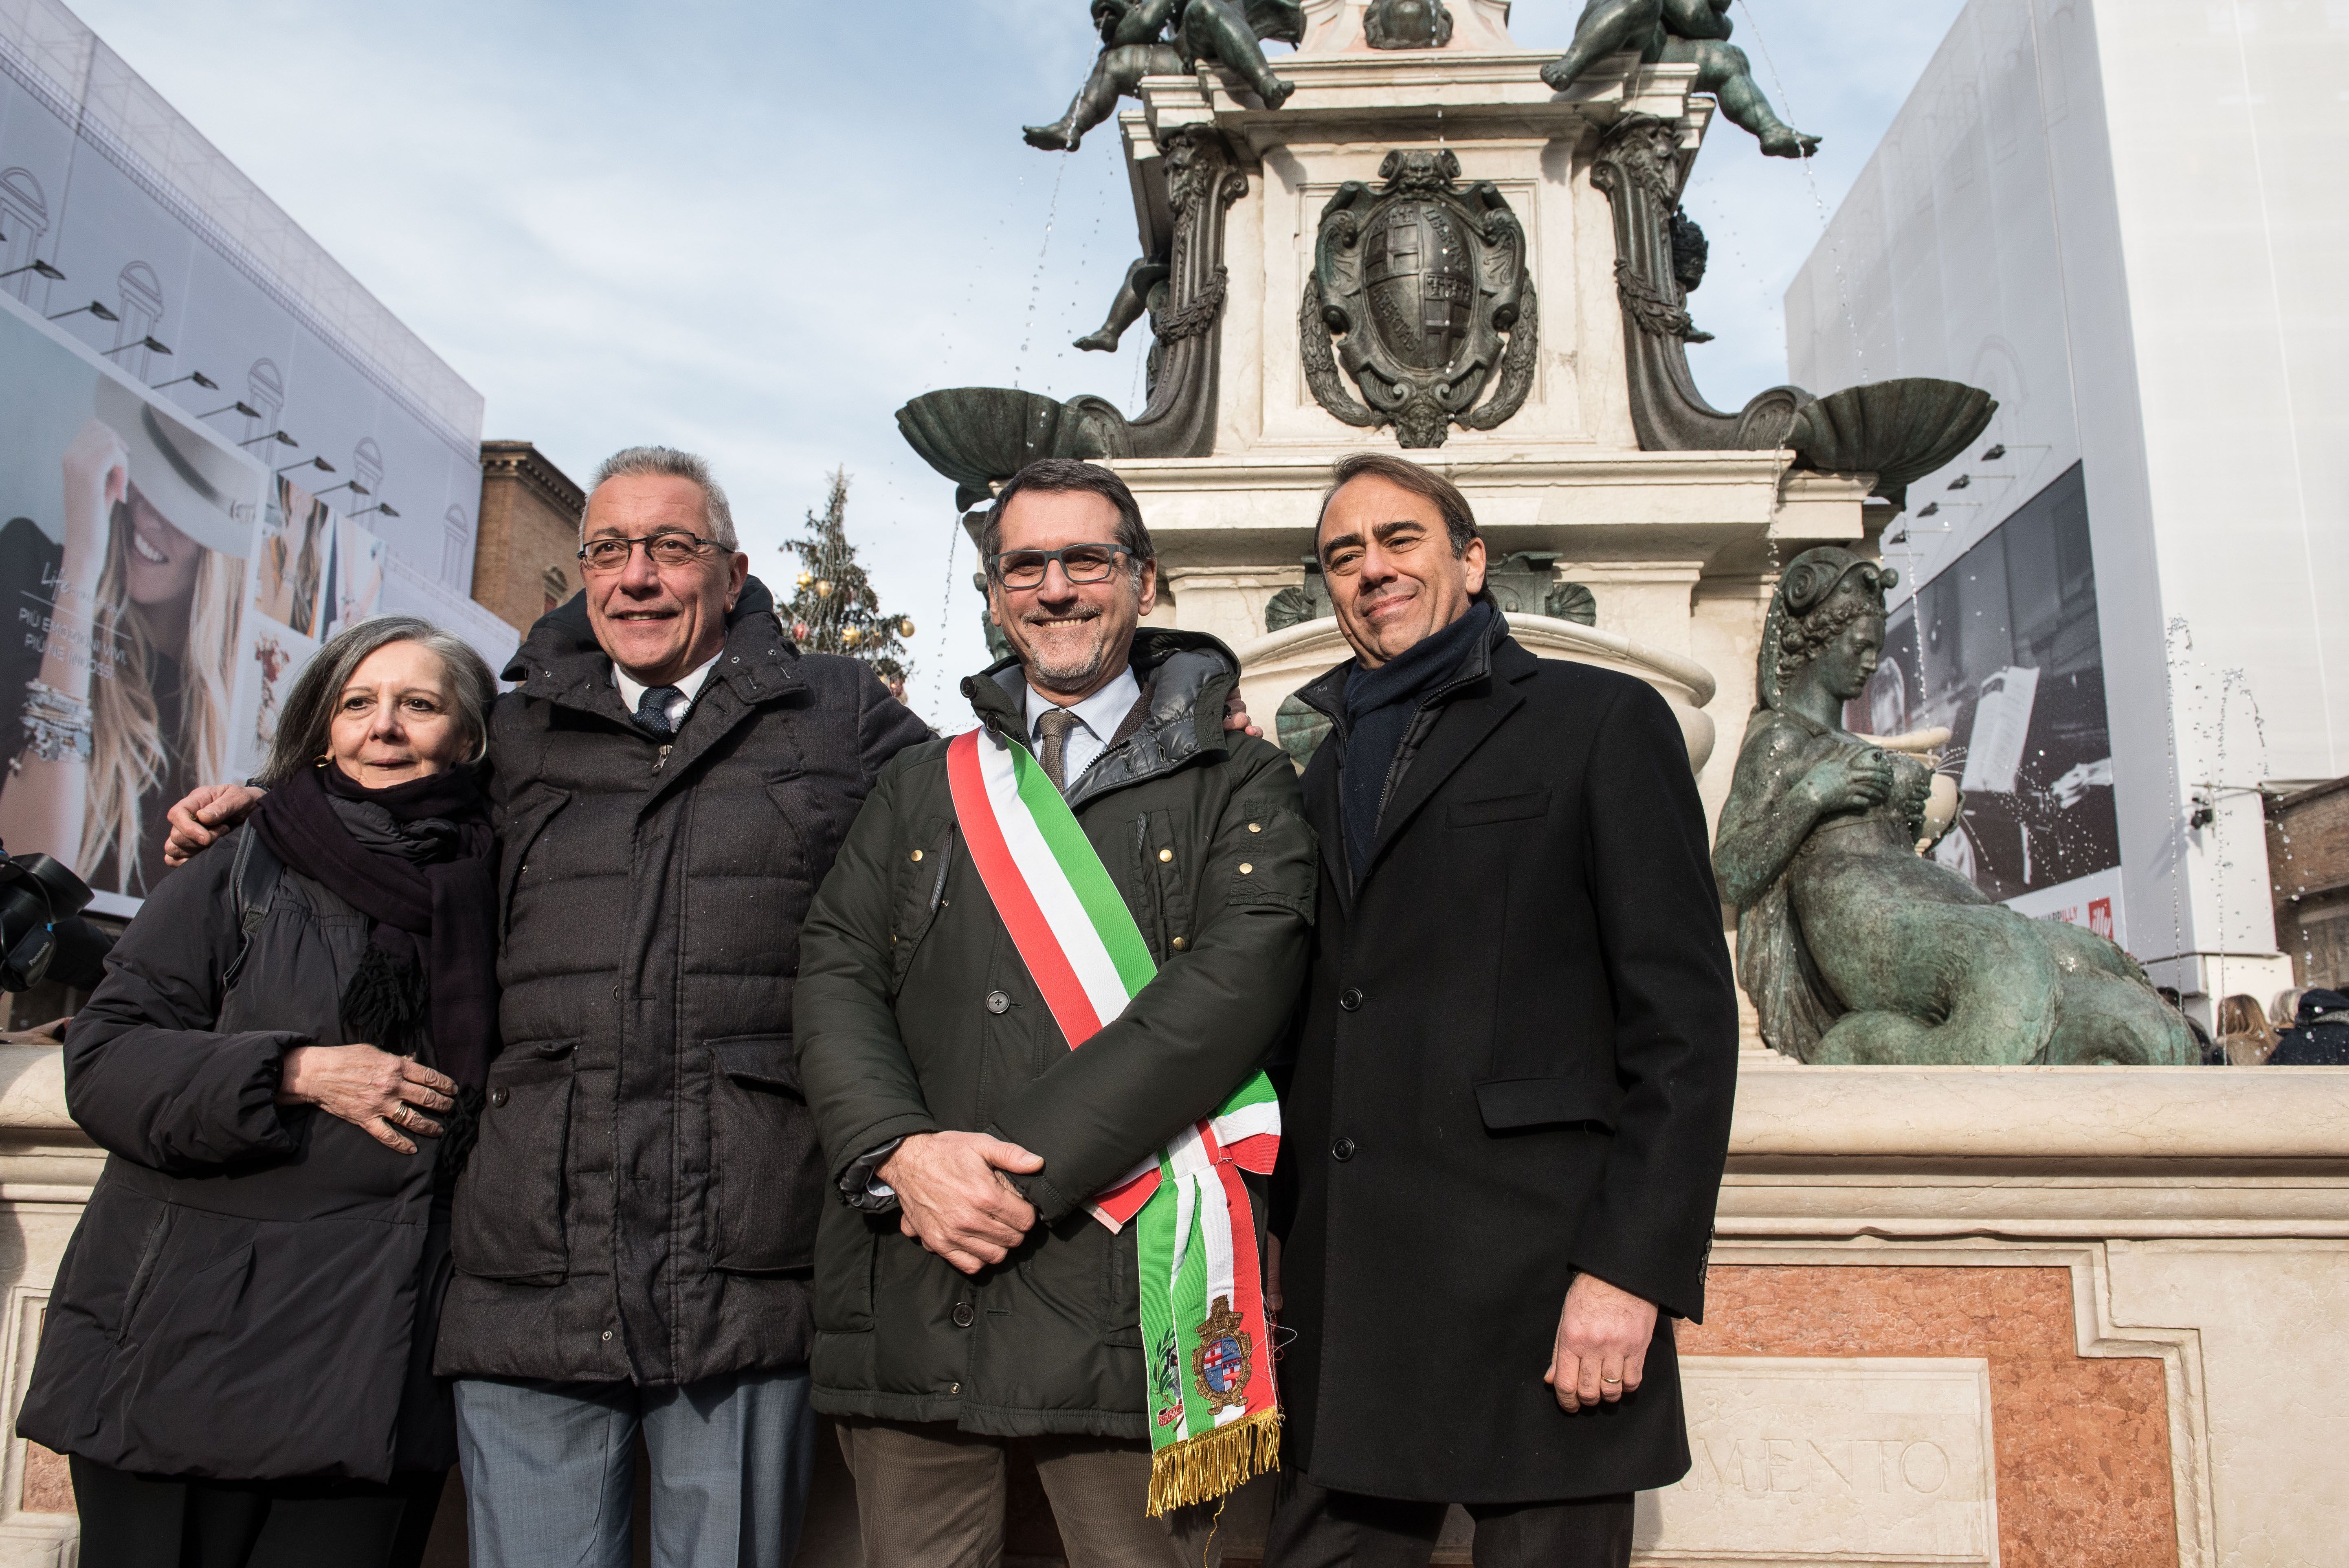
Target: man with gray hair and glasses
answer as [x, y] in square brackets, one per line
[635, 1226]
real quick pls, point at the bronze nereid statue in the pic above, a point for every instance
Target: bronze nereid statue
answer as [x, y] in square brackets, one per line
[1687, 33]
[1856, 949]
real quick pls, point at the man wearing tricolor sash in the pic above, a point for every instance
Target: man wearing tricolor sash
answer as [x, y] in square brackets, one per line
[1035, 996]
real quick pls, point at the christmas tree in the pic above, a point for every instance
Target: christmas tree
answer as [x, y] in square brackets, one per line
[833, 608]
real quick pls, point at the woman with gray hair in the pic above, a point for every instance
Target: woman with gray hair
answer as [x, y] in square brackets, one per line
[282, 1065]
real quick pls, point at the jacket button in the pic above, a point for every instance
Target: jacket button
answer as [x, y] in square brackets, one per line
[499, 1095]
[1342, 1150]
[1256, 827]
[1176, 945]
[963, 1316]
[997, 1002]
[917, 856]
[608, 1334]
[1350, 998]
[1165, 855]
[1246, 869]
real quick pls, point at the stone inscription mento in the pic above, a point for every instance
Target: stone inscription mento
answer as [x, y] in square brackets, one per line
[1821, 1461]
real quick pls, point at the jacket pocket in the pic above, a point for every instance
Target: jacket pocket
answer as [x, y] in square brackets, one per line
[508, 1223]
[1121, 1309]
[847, 1249]
[919, 893]
[1499, 808]
[765, 1168]
[1509, 1104]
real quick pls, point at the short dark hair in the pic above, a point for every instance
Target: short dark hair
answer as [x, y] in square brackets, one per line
[1459, 521]
[1059, 476]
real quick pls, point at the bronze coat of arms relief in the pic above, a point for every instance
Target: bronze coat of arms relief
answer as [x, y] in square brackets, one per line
[1420, 291]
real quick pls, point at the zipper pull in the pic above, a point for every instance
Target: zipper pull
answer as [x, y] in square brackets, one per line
[662, 760]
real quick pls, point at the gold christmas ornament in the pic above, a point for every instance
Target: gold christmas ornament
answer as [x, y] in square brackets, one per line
[906, 627]
[803, 579]
[853, 635]
[822, 589]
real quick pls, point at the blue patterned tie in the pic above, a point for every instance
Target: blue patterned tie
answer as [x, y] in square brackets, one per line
[652, 711]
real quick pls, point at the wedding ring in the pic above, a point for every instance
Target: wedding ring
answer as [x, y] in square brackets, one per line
[1610, 1379]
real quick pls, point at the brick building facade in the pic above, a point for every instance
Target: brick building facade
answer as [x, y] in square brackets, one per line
[2308, 854]
[527, 562]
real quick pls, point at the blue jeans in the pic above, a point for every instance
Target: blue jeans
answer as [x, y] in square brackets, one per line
[550, 1470]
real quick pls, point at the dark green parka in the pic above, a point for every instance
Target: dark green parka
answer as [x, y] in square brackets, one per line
[915, 1014]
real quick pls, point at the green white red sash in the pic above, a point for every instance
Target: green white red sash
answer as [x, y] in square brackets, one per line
[1215, 1413]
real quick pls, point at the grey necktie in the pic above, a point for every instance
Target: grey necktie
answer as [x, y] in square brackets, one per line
[652, 711]
[1054, 725]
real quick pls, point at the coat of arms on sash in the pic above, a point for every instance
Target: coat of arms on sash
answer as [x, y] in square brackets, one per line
[1219, 1367]
[1424, 287]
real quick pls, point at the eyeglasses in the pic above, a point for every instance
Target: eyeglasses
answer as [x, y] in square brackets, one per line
[660, 549]
[1082, 562]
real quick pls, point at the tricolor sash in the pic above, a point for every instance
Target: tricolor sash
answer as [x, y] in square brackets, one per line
[1215, 1414]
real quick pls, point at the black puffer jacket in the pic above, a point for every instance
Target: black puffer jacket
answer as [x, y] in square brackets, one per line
[642, 1203]
[251, 1293]
[917, 1015]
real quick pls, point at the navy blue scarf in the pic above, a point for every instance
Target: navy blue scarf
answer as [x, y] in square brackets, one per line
[1379, 707]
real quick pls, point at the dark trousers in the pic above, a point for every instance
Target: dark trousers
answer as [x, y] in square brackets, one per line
[145, 1522]
[1314, 1528]
[928, 1496]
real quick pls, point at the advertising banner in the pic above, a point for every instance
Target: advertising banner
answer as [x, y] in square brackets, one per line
[164, 591]
[126, 532]
[2009, 659]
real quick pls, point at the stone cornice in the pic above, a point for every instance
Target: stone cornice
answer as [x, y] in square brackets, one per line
[523, 462]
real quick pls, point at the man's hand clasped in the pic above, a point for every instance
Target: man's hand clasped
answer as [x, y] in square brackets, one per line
[1603, 1333]
[954, 1198]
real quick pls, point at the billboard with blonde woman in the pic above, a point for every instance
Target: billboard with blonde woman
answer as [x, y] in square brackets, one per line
[126, 529]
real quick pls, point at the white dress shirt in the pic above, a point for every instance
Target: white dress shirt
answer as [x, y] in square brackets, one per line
[632, 691]
[1098, 717]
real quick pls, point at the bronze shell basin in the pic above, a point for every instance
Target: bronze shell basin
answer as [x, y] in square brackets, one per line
[1897, 430]
[975, 436]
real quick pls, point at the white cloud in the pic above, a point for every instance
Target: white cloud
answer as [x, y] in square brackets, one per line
[755, 230]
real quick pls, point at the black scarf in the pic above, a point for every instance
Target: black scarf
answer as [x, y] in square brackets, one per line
[1380, 706]
[417, 858]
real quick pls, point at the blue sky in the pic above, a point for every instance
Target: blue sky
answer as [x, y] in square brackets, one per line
[753, 228]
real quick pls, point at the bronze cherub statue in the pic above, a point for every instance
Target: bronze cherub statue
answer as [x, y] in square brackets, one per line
[1169, 38]
[1680, 32]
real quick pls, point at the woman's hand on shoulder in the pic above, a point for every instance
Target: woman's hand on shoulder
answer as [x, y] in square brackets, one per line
[209, 812]
[385, 1095]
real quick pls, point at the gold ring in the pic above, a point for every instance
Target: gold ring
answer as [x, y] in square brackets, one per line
[1610, 1379]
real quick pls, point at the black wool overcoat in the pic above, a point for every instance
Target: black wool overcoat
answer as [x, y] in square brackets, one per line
[641, 1205]
[1518, 1064]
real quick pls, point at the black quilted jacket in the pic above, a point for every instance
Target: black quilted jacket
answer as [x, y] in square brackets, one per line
[642, 1203]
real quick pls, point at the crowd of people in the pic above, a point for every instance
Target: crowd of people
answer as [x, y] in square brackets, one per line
[2302, 1027]
[688, 1042]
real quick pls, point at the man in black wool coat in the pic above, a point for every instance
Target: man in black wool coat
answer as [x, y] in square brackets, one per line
[1510, 1109]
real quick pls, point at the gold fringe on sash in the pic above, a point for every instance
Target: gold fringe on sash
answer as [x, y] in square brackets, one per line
[1202, 1469]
